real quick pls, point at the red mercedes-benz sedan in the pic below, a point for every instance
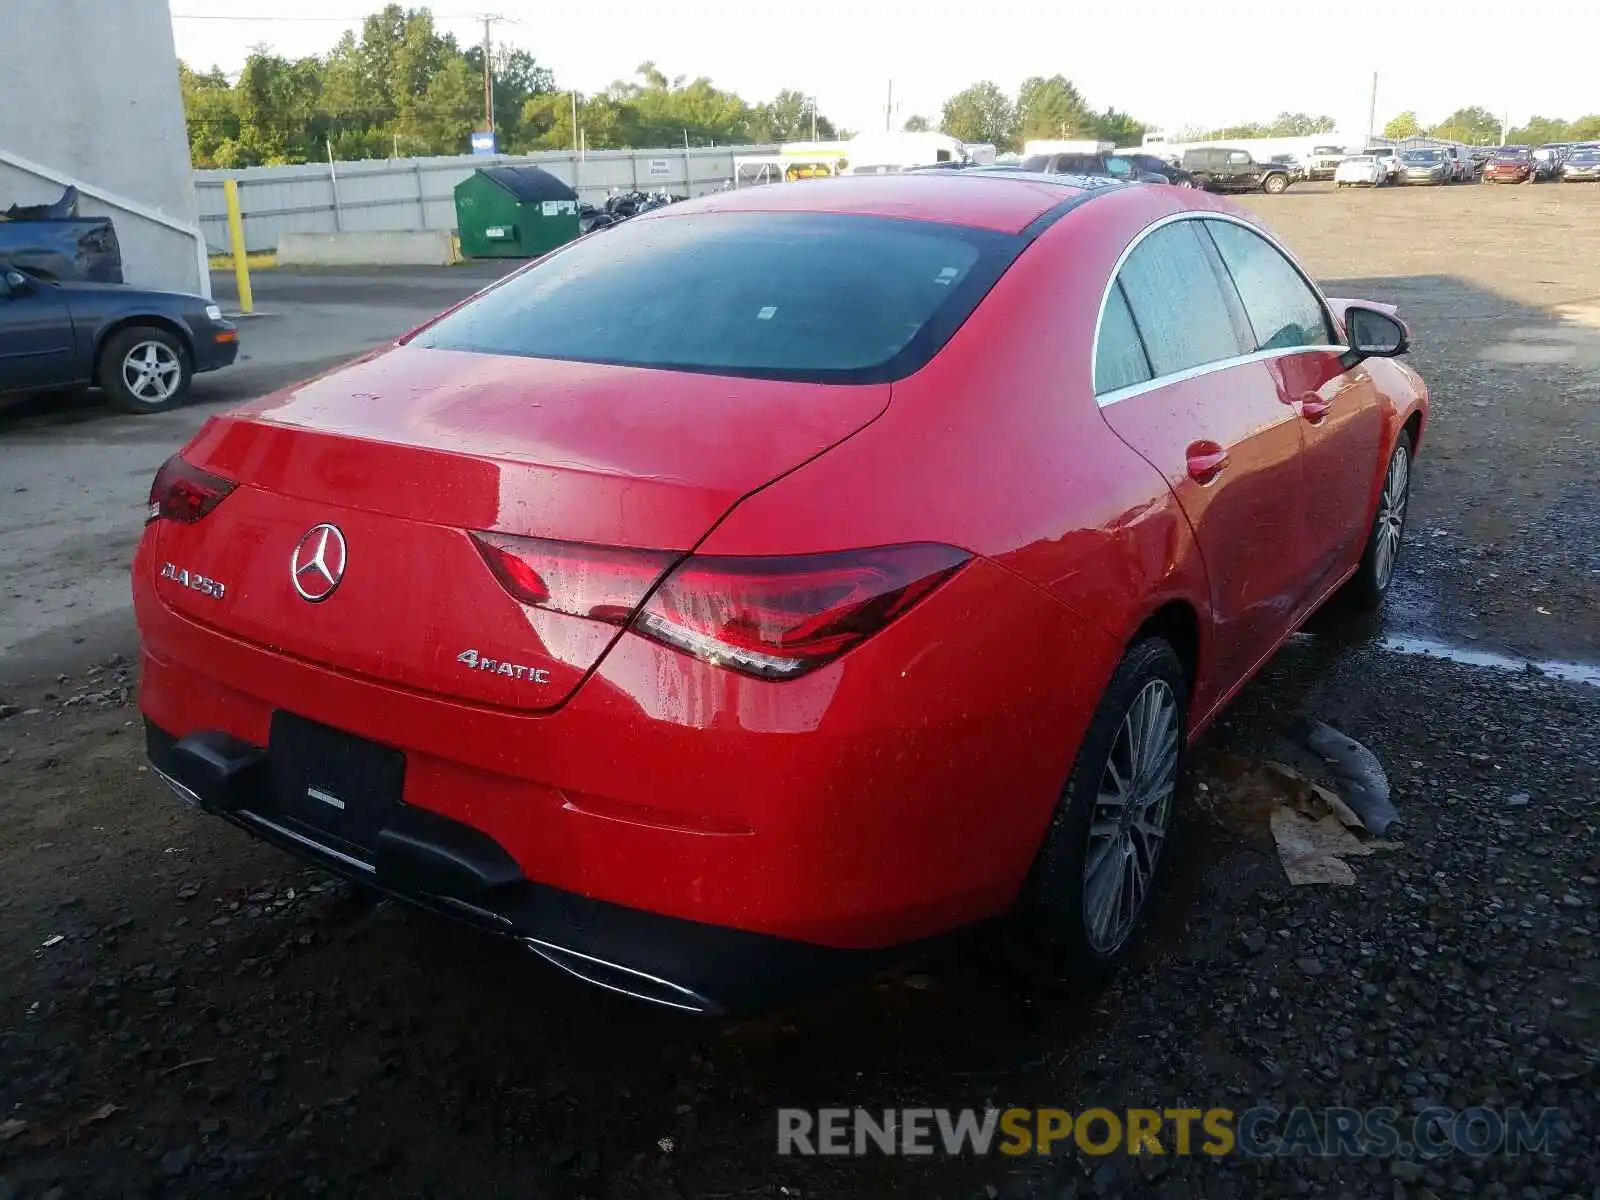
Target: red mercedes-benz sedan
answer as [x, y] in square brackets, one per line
[733, 598]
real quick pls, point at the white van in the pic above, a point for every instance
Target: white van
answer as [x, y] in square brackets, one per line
[887, 153]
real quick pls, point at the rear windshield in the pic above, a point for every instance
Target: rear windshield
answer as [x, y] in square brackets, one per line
[805, 296]
[1422, 157]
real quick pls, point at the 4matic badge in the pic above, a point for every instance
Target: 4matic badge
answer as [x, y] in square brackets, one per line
[471, 658]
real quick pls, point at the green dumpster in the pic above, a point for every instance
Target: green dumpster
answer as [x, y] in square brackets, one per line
[514, 212]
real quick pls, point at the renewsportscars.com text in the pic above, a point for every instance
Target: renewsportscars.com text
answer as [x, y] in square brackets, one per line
[1255, 1132]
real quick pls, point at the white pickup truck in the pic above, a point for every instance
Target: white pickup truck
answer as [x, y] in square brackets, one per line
[1323, 161]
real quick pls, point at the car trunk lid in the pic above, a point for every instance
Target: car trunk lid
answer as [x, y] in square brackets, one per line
[407, 452]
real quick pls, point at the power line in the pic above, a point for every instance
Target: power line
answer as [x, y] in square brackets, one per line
[294, 19]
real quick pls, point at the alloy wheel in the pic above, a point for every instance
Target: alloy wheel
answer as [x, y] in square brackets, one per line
[1391, 517]
[1132, 815]
[152, 372]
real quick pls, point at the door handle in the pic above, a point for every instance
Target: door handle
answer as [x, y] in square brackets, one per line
[1206, 461]
[1313, 408]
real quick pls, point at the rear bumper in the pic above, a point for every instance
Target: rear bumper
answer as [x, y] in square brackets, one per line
[452, 869]
[888, 797]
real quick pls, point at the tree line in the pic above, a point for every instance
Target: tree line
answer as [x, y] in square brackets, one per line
[1055, 108]
[1043, 108]
[401, 88]
[1285, 124]
[1478, 126]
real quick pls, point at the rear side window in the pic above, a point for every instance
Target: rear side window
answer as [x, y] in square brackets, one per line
[1119, 358]
[812, 297]
[1283, 310]
[1177, 300]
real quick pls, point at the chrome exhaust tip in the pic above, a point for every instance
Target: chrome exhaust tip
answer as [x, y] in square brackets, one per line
[181, 790]
[614, 977]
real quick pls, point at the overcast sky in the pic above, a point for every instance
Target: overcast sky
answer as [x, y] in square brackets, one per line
[1168, 62]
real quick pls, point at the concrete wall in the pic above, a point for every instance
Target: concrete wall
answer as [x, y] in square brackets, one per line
[419, 193]
[368, 248]
[89, 89]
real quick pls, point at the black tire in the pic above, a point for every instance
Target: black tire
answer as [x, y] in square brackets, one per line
[1370, 584]
[1047, 935]
[118, 376]
[1275, 185]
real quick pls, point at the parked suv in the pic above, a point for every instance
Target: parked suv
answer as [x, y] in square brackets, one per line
[1229, 170]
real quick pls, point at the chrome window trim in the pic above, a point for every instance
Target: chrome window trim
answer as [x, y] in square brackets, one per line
[1134, 389]
[1106, 399]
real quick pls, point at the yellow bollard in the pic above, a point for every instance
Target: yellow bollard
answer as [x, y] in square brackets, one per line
[241, 263]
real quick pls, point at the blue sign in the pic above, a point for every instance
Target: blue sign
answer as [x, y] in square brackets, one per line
[483, 143]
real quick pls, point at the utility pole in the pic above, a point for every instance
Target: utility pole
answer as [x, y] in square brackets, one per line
[888, 110]
[488, 73]
[1372, 109]
[489, 20]
[813, 118]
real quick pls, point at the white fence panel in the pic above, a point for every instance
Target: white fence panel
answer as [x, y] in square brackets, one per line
[419, 193]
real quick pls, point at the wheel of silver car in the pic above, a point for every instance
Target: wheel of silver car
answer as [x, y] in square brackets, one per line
[1132, 813]
[145, 369]
[1372, 578]
[1083, 906]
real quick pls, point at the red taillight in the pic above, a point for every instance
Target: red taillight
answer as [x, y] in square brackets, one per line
[183, 492]
[774, 618]
[781, 617]
[603, 583]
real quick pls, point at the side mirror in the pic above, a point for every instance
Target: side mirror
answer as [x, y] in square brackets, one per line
[1373, 334]
[17, 283]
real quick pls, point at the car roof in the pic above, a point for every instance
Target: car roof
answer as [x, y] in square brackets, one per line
[1004, 201]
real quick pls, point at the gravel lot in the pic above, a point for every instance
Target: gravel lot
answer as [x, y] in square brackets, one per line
[186, 1013]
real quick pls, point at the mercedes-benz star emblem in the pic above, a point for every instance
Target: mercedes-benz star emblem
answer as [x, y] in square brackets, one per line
[318, 563]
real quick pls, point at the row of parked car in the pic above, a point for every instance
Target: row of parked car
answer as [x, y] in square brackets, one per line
[1212, 169]
[1429, 166]
[1569, 162]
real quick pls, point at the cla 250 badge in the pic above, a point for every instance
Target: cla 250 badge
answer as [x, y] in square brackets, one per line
[471, 658]
[193, 580]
